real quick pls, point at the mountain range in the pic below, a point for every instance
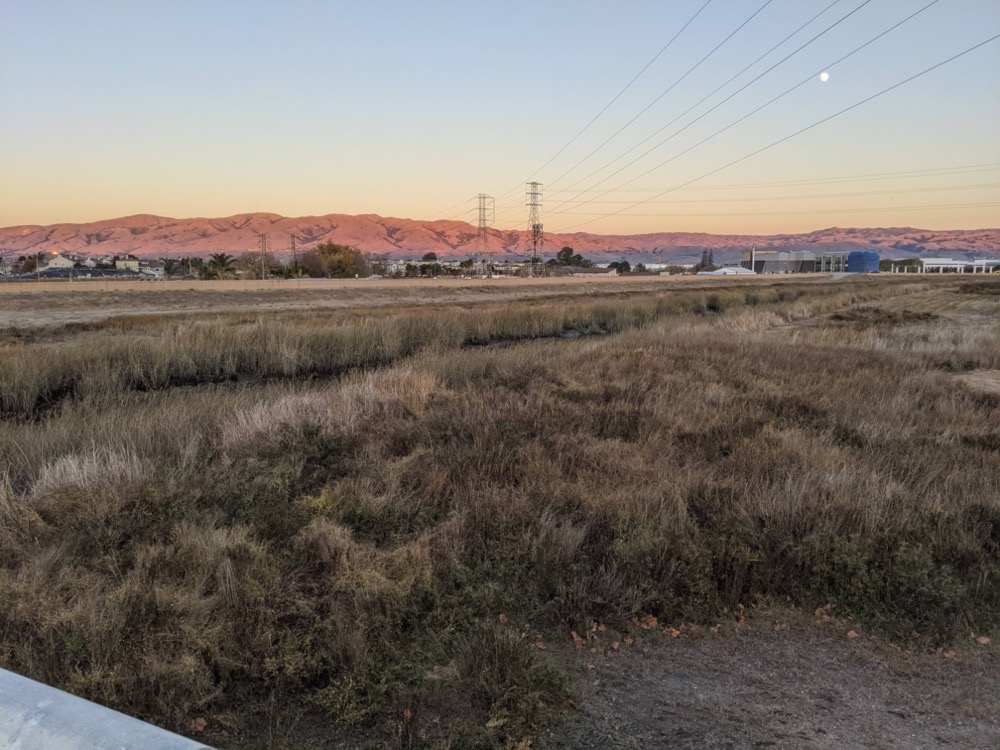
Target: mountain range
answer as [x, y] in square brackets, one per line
[148, 236]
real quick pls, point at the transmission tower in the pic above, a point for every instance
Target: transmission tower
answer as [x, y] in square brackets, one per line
[483, 266]
[534, 203]
[262, 237]
[294, 254]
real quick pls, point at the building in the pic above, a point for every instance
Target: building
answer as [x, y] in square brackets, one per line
[944, 265]
[728, 271]
[59, 261]
[779, 261]
[127, 263]
[863, 261]
[831, 263]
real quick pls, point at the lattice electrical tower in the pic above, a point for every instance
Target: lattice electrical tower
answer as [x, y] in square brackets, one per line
[535, 235]
[483, 266]
[294, 254]
[262, 236]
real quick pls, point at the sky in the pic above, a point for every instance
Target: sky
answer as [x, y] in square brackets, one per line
[635, 116]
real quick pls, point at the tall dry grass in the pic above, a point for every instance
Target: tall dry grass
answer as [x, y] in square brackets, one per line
[345, 547]
[110, 361]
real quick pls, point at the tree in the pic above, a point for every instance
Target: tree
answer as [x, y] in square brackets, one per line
[622, 266]
[640, 268]
[707, 262]
[566, 257]
[334, 261]
[222, 264]
[429, 257]
[170, 267]
[252, 267]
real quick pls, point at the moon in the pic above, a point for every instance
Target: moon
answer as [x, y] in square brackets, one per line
[824, 76]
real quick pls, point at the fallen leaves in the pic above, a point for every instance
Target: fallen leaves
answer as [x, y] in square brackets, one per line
[852, 634]
[982, 640]
[824, 613]
[197, 725]
[646, 622]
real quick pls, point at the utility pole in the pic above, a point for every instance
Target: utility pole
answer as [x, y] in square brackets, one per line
[534, 204]
[483, 265]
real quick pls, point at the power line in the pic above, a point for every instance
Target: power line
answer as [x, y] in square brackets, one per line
[723, 85]
[779, 44]
[801, 130]
[665, 92]
[871, 177]
[805, 211]
[616, 97]
[769, 198]
[451, 208]
[853, 194]
[746, 116]
[878, 176]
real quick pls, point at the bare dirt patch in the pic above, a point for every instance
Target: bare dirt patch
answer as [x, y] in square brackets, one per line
[783, 682]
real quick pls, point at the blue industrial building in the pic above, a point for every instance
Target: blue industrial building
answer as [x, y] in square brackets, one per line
[863, 261]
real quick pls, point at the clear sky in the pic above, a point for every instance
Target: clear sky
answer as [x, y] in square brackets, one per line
[409, 109]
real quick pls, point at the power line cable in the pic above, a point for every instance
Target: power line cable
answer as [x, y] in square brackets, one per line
[663, 93]
[852, 194]
[450, 208]
[797, 212]
[720, 87]
[801, 130]
[848, 179]
[744, 117]
[616, 98]
[876, 177]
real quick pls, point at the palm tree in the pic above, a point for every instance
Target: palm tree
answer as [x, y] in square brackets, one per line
[222, 263]
[170, 267]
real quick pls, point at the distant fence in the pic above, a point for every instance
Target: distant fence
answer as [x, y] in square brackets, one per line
[34, 716]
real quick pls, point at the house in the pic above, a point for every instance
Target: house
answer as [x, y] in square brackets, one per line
[128, 263]
[59, 261]
[151, 268]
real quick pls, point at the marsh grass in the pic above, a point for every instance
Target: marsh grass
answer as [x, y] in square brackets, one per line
[346, 547]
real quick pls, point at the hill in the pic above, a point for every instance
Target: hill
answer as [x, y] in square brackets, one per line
[145, 235]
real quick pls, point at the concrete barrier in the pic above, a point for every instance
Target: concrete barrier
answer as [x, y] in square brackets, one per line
[34, 716]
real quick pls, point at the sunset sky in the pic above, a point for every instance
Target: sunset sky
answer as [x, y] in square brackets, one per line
[409, 109]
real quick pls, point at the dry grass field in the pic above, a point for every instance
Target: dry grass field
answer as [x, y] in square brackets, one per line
[362, 517]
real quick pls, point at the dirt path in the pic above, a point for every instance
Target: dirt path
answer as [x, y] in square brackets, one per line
[783, 682]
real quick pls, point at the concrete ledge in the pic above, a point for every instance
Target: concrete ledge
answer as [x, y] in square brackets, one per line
[34, 716]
